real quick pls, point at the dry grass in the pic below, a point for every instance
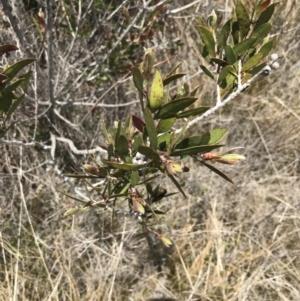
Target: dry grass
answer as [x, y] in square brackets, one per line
[232, 243]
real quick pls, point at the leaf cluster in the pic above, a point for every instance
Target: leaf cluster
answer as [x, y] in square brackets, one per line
[156, 144]
[12, 88]
[236, 50]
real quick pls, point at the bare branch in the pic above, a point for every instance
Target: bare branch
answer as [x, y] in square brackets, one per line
[177, 10]
[25, 144]
[76, 151]
[49, 26]
[233, 95]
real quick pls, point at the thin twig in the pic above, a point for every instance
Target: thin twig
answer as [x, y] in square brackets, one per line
[177, 10]
[49, 27]
[115, 84]
[125, 32]
[225, 101]
[76, 151]
[36, 104]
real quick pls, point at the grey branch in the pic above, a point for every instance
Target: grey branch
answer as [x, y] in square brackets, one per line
[49, 26]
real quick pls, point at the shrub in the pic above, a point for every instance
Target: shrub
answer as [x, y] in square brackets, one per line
[145, 148]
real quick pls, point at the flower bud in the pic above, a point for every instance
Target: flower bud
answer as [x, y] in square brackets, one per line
[210, 156]
[231, 159]
[91, 169]
[212, 19]
[275, 65]
[274, 57]
[176, 167]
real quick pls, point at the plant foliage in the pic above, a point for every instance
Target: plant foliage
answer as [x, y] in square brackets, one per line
[12, 88]
[156, 145]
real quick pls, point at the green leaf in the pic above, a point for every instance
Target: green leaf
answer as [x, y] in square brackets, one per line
[230, 55]
[14, 106]
[110, 150]
[228, 86]
[212, 20]
[195, 150]
[118, 132]
[252, 61]
[125, 166]
[151, 128]
[172, 108]
[138, 79]
[156, 94]
[138, 140]
[261, 33]
[26, 78]
[7, 48]
[203, 51]
[265, 16]
[122, 146]
[193, 92]
[121, 190]
[243, 19]
[3, 77]
[12, 87]
[242, 47]
[208, 40]
[148, 171]
[165, 124]
[266, 48]
[6, 99]
[174, 69]
[258, 68]
[134, 178]
[215, 135]
[217, 171]
[150, 153]
[212, 137]
[228, 83]
[225, 71]
[224, 35]
[148, 63]
[194, 112]
[175, 138]
[235, 32]
[12, 71]
[164, 140]
[177, 185]
[138, 207]
[207, 72]
[220, 62]
[166, 241]
[127, 124]
[173, 77]
[74, 211]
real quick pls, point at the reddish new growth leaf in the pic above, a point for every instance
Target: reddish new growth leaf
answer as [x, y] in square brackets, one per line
[7, 48]
[138, 123]
[264, 5]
